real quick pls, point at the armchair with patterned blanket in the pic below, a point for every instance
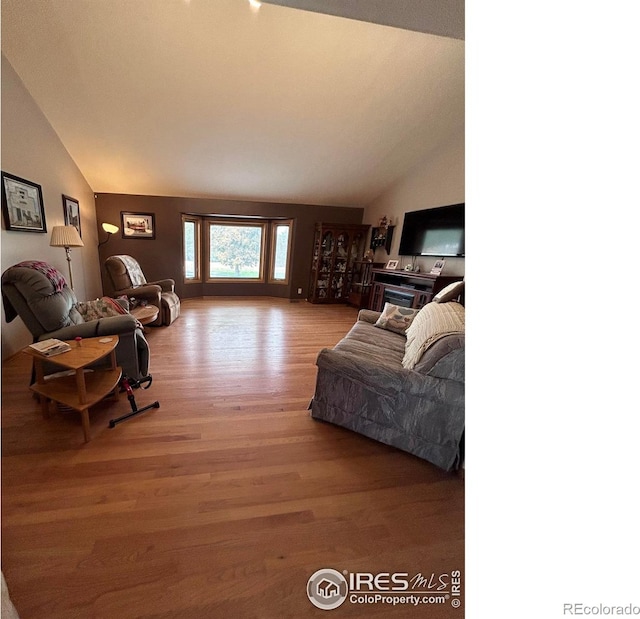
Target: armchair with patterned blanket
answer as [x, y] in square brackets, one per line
[38, 293]
[128, 279]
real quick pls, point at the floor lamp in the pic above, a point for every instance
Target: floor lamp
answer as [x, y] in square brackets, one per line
[67, 237]
[109, 229]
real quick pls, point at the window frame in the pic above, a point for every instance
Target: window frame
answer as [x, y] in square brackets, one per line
[249, 223]
[274, 223]
[197, 278]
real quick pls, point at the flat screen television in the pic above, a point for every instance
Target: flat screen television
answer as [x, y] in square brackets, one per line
[433, 232]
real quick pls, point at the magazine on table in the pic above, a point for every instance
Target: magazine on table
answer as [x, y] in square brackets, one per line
[50, 347]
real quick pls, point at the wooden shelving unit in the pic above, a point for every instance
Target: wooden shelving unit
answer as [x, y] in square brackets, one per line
[336, 248]
[382, 237]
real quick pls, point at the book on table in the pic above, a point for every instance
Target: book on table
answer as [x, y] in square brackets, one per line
[50, 347]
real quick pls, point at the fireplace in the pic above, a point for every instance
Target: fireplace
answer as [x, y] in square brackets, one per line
[405, 288]
[398, 297]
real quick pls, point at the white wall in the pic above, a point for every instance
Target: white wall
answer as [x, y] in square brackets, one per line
[32, 150]
[436, 181]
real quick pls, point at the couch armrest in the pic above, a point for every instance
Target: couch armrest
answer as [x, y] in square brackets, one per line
[445, 380]
[149, 292]
[366, 315]
[451, 366]
[113, 325]
[167, 285]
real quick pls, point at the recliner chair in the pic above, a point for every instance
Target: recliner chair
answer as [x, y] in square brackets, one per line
[128, 279]
[38, 293]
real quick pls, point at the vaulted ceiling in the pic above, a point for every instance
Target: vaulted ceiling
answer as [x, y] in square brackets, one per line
[210, 98]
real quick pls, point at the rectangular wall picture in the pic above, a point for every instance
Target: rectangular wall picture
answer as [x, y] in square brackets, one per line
[71, 212]
[22, 204]
[138, 225]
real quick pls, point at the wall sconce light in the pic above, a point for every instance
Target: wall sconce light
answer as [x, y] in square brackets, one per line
[109, 229]
[67, 237]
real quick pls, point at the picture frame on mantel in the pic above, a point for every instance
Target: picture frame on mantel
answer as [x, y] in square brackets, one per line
[138, 225]
[71, 213]
[22, 205]
[392, 265]
[437, 267]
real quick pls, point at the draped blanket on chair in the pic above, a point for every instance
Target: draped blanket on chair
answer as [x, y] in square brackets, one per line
[51, 273]
[54, 276]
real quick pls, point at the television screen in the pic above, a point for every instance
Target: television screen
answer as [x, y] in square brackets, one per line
[433, 232]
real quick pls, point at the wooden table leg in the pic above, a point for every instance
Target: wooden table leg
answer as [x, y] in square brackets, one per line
[114, 365]
[82, 395]
[82, 386]
[44, 401]
[84, 414]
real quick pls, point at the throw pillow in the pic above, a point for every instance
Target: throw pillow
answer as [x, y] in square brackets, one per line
[449, 293]
[434, 321]
[395, 318]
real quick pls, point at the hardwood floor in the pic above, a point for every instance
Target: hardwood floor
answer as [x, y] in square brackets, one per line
[225, 500]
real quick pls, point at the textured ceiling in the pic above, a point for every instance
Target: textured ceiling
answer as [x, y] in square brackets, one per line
[209, 98]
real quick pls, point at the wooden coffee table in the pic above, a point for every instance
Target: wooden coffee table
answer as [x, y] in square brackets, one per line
[84, 388]
[145, 314]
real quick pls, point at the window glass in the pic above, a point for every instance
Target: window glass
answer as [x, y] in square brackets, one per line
[191, 248]
[235, 251]
[281, 236]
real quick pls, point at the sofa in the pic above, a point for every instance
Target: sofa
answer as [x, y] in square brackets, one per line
[400, 379]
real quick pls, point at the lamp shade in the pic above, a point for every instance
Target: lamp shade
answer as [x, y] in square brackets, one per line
[65, 236]
[110, 228]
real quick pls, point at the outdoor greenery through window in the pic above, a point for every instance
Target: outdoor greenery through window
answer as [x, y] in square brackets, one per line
[280, 252]
[191, 244]
[236, 250]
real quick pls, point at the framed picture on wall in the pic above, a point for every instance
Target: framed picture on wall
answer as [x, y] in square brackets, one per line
[138, 225]
[22, 204]
[71, 212]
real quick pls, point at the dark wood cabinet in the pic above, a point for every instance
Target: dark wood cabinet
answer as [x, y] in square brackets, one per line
[336, 248]
[362, 282]
[406, 288]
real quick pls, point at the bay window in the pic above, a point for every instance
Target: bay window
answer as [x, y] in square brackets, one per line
[220, 249]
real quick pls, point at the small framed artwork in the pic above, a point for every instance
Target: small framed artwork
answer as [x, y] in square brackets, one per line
[437, 267]
[71, 212]
[392, 265]
[138, 225]
[22, 204]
